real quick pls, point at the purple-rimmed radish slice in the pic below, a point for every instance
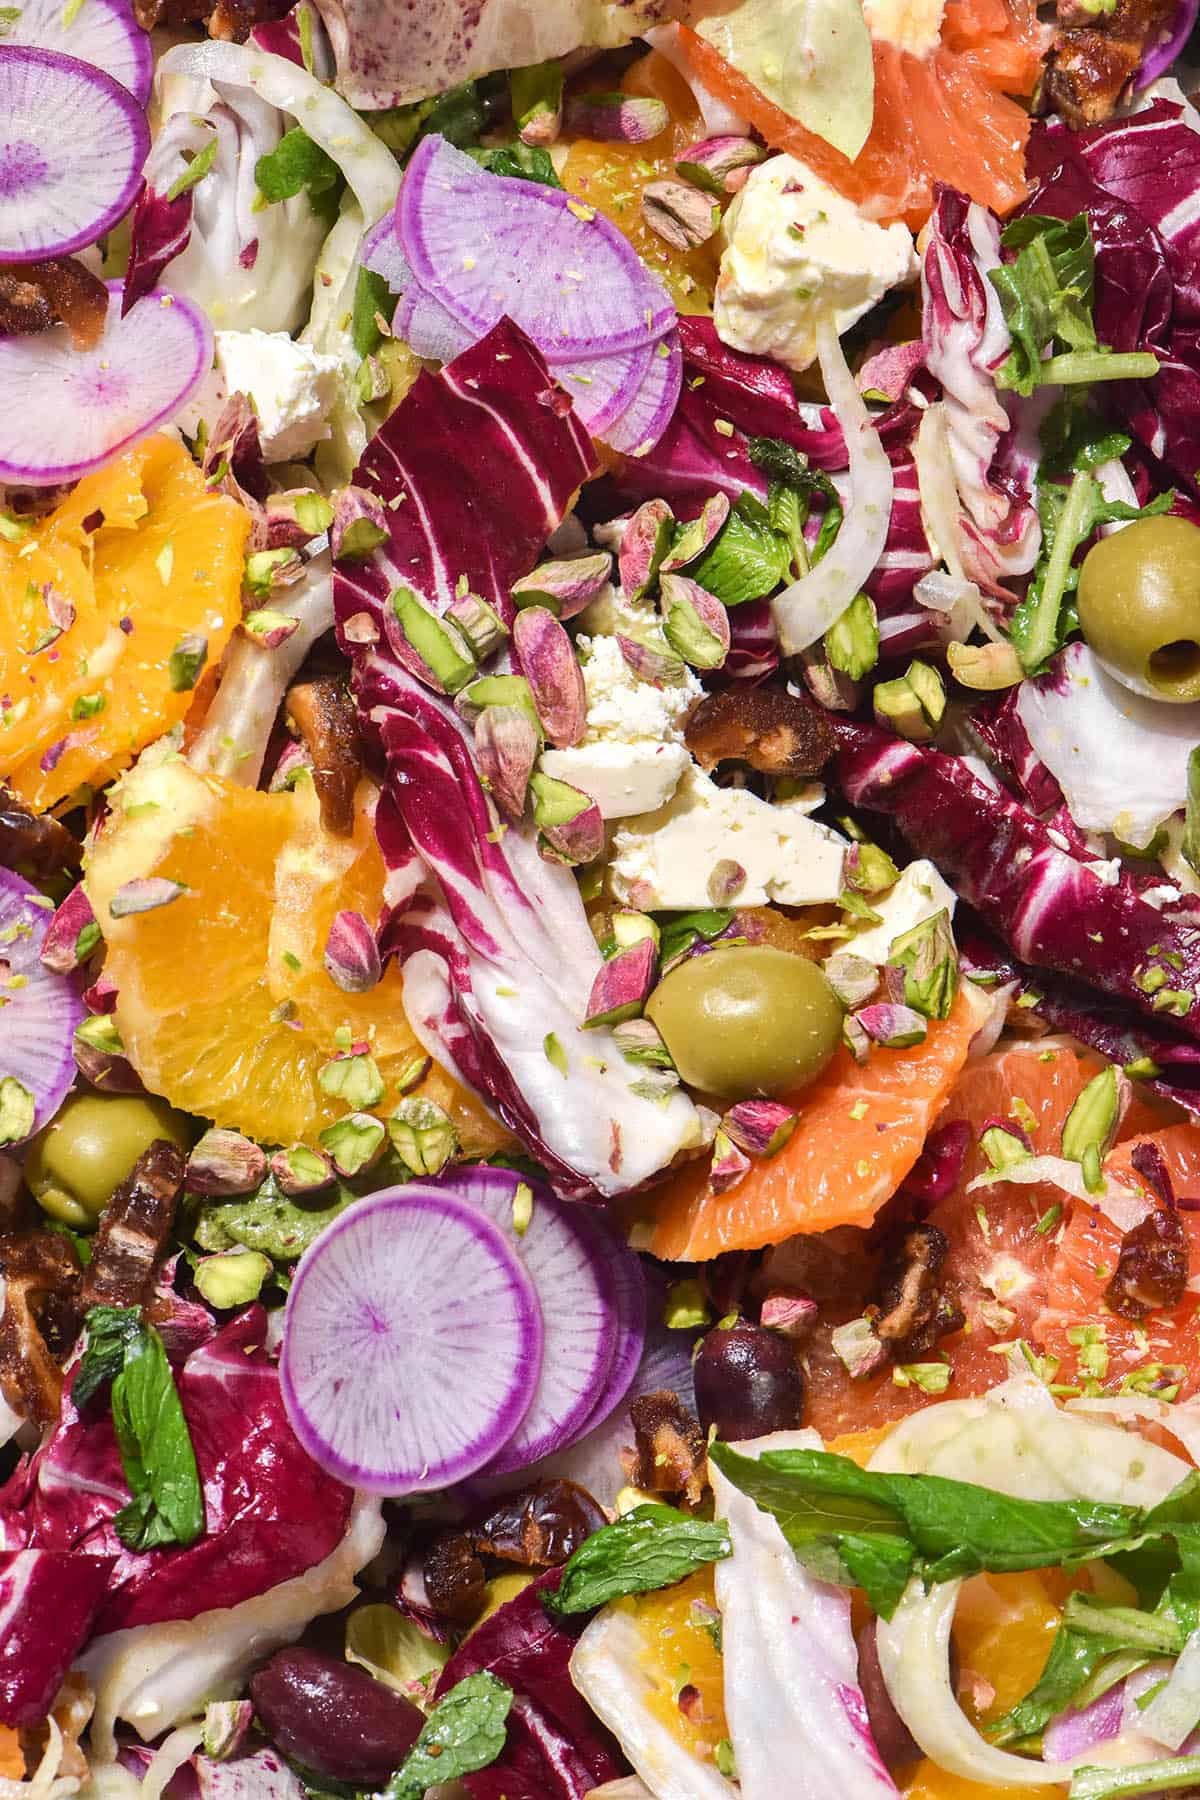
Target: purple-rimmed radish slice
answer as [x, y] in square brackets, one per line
[649, 413]
[412, 1342]
[65, 411]
[488, 245]
[72, 145]
[577, 1297]
[427, 328]
[629, 1316]
[39, 1013]
[101, 32]
[603, 387]
[381, 253]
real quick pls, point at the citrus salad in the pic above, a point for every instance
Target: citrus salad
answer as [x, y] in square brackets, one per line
[599, 900]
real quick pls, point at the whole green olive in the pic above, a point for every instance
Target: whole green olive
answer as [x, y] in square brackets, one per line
[1139, 606]
[745, 1021]
[74, 1165]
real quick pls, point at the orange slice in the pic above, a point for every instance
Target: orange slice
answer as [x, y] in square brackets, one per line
[163, 563]
[860, 1132]
[943, 117]
[225, 1006]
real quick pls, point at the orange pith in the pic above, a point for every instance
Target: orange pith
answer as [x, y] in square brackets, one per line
[224, 1003]
[164, 563]
[611, 177]
[860, 1132]
[944, 117]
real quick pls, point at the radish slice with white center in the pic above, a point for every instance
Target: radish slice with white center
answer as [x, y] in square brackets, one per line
[489, 245]
[605, 387]
[412, 1342]
[629, 1317]
[101, 32]
[427, 328]
[72, 145]
[65, 411]
[649, 413]
[578, 1302]
[39, 1013]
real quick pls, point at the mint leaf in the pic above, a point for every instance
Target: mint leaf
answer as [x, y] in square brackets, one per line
[746, 559]
[1072, 1661]
[296, 165]
[651, 1547]
[166, 1503]
[371, 295]
[524, 162]
[109, 1330]
[464, 1732]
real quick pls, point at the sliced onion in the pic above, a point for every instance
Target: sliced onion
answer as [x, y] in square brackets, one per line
[412, 1343]
[101, 32]
[805, 611]
[39, 1011]
[577, 1295]
[639, 428]
[65, 411]
[939, 493]
[1173, 1714]
[75, 141]
[485, 246]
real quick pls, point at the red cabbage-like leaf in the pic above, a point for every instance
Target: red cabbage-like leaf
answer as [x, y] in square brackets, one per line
[159, 230]
[477, 465]
[1003, 732]
[1055, 910]
[1138, 178]
[270, 1512]
[556, 1749]
[48, 1603]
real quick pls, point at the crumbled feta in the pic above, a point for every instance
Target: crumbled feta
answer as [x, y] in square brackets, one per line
[917, 896]
[291, 385]
[666, 858]
[912, 25]
[794, 250]
[623, 708]
[622, 778]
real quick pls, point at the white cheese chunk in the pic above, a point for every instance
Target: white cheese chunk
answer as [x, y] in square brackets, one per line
[666, 859]
[623, 779]
[291, 385]
[917, 896]
[795, 250]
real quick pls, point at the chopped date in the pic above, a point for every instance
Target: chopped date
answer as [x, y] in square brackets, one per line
[775, 732]
[41, 1288]
[322, 713]
[669, 1454]
[914, 1312]
[61, 291]
[134, 1229]
[540, 1527]
[1096, 54]
[34, 841]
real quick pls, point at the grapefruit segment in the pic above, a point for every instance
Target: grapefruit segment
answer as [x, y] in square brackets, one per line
[860, 1132]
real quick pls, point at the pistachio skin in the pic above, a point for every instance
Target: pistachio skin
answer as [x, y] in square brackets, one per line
[747, 1021]
[1139, 606]
[75, 1163]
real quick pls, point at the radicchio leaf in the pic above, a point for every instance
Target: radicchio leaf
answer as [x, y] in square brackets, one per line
[49, 1600]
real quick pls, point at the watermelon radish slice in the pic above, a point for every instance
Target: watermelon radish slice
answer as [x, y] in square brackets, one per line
[101, 32]
[629, 1317]
[39, 1012]
[64, 411]
[72, 146]
[649, 412]
[412, 1342]
[578, 1300]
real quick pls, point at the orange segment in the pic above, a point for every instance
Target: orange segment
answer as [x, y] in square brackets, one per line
[224, 1004]
[1085, 1259]
[945, 117]
[676, 1625]
[860, 1132]
[167, 560]
[611, 178]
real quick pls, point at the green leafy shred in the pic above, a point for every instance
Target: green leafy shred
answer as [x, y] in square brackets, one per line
[372, 301]
[196, 170]
[464, 1732]
[298, 165]
[522, 162]
[746, 559]
[651, 1547]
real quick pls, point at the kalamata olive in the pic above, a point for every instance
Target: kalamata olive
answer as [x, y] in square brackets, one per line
[334, 1718]
[1139, 606]
[74, 1165]
[893, 1739]
[748, 1019]
[748, 1382]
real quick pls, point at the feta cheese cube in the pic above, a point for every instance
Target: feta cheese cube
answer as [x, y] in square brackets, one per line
[917, 896]
[293, 387]
[623, 779]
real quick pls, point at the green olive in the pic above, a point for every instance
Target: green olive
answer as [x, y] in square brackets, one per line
[1139, 606]
[89, 1147]
[747, 1021]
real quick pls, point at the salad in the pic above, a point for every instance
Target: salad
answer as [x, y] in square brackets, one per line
[599, 900]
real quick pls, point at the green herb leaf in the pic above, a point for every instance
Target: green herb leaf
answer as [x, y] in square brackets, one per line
[651, 1547]
[522, 162]
[1124, 1627]
[109, 1329]
[1191, 829]
[196, 170]
[464, 1732]
[681, 930]
[371, 296]
[166, 1504]
[296, 165]
[1167, 1776]
[1072, 1661]
[1045, 293]
[746, 559]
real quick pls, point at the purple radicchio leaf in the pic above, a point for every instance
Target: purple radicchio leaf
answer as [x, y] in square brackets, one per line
[1053, 908]
[49, 1600]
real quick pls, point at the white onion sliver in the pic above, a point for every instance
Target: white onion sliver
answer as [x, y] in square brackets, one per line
[75, 142]
[101, 32]
[1174, 1712]
[65, 411]
[935, 479]
[1123, 1205]
[805, 611]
